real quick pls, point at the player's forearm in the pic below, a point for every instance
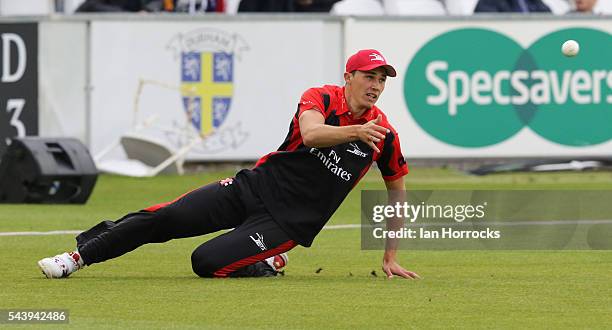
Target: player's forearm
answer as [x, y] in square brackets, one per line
[390, 254]
[391, 244]
[321, 135]
[396, 194]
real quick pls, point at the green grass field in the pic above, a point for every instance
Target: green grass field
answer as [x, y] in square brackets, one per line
[154, 287]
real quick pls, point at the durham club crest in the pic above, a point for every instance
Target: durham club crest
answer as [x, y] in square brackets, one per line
[207, 71]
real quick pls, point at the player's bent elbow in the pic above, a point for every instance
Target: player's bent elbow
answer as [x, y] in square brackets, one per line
[309, 140]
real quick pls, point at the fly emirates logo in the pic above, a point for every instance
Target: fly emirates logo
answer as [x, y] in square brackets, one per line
[331, 162]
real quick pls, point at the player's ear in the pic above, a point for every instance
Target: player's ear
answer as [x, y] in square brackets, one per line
[347, 77]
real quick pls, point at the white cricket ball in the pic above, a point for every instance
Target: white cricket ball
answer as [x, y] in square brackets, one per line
[570, 48]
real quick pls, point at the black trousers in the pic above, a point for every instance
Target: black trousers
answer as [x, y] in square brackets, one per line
[221, 205]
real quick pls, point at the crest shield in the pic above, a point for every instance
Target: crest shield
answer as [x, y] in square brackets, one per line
[207, 87]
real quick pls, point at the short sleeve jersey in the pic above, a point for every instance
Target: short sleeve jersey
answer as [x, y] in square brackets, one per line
[303, 186]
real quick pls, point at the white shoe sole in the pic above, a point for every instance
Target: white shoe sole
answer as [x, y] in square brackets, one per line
[45, 270]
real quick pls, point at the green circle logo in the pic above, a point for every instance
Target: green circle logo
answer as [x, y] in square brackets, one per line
[477, 87]
[573, 96]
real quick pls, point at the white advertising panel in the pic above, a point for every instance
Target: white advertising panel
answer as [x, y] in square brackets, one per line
[485, 88]
[237, 82]
[62, 80]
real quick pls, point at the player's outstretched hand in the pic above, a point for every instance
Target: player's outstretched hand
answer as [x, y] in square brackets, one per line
[393, 268]
[371, 133]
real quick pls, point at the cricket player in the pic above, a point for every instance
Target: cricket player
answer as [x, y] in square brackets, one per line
[285, 200]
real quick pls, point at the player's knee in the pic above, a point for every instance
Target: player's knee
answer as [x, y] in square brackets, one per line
[201, 264]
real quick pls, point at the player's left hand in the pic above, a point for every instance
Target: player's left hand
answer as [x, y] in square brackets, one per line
[391, 267]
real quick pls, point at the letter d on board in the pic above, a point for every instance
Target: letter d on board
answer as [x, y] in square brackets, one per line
[8, 40]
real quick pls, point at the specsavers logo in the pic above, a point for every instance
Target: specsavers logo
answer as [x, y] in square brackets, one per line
[477, 87]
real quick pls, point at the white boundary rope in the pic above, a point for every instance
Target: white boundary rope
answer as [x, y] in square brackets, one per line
[357, 226]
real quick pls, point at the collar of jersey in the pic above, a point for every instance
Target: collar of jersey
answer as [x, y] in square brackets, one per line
[370, 114]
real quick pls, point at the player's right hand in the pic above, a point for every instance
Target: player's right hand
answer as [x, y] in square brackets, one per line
[372, 133]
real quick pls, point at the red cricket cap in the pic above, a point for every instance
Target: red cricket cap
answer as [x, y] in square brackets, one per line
[368, 59]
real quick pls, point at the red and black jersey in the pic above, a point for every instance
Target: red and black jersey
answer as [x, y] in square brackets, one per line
[301, 186]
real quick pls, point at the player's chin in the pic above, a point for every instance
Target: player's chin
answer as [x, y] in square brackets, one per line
[368, 102]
